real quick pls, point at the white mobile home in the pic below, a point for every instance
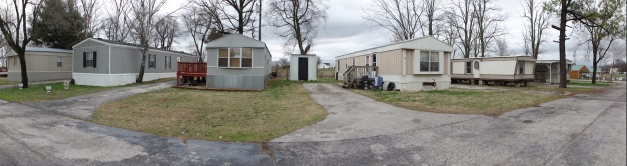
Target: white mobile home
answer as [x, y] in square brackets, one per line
[100, 62]
[412, 65]
[495, 70]
[41, 64]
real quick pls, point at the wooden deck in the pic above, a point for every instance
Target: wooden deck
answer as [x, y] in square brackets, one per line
[190, 69]
[354, 73]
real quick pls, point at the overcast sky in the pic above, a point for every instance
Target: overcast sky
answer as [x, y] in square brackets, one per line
[346, 31]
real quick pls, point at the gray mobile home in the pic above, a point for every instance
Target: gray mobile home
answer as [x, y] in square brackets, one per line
[41, 64]
[237, 62]
[100, 62]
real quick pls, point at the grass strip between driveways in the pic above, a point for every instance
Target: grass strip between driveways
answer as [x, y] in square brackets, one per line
[283, 107]
[38, 92]
[461, 101]
[487, 102]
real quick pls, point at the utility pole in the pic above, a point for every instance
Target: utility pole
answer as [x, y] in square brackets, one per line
[260, 3]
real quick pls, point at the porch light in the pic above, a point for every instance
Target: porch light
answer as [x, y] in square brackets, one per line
[48, 88]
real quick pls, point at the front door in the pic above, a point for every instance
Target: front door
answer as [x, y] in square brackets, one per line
[303, 68]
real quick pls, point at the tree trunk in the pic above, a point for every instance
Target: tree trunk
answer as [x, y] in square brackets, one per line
[23, 69]
[140, 77]
[562, 43]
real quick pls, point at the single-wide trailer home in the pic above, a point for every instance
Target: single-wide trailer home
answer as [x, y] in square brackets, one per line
[548, 71]
[494, 70]
[238, 62]
[41, 64]
[420, 64]
[100, 62]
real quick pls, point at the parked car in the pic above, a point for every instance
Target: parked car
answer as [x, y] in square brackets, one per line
[3, 72]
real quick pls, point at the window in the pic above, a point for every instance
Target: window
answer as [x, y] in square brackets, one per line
[89, 59]
[374, 61]
[152, 61]
[468, 67]
[168, 62]
[521, 67]
[59, 62]
[15, 61]
[338, 66]
[429, 61]
[353, 61]
[235, 57]
[477, 65]
[367, 60]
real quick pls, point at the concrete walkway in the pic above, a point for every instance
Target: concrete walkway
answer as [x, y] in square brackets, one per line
[354, 116]
[83, 107]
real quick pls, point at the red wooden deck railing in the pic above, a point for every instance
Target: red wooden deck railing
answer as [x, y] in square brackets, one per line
[193, 69]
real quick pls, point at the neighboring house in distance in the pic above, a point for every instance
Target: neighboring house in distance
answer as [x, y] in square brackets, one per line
[100, 62]
[238, 62]
[547, 71]
[41, 64]
[324, 66]
[579, 71]
[514, 69]
[408, 64]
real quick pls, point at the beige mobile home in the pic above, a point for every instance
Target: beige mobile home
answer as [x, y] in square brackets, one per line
[412, 65]
[493, 70]
[41, 64]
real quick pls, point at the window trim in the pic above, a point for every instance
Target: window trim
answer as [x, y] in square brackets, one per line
[59, 61]
[15, 61]
[429, 61]
[521, 67]
[89, 59]
[152, 61]
[468, 67]
[241, 57]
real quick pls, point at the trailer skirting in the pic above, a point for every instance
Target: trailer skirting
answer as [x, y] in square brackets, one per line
[91, 79]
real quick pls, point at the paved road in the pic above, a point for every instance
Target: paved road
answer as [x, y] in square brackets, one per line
[583, 130]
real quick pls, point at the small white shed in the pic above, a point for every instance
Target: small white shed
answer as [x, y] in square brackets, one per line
[303, 67]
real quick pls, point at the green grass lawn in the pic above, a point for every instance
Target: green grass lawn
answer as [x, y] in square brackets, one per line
[38, 92]
[459, 101]
[283, 107]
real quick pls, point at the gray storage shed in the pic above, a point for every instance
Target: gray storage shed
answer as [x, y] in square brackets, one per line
[238, 62]
[100, 62]
[303, 67]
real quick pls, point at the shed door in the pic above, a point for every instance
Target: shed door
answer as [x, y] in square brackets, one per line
[303, 68]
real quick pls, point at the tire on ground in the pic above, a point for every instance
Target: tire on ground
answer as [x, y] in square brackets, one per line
[391, 86]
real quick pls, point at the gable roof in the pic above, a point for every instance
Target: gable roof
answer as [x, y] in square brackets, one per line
[125, 44]
[236, 40]
[577, 67]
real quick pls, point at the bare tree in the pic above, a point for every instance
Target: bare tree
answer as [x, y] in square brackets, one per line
[536, 21]
[489, 24]
[15, 27]
[501, 48]
[235, 15]
[400, 17]
[600, 37]
[297, 21]
[89, 12]
[143, 13]
[430, 8]
[460, 18]
[198, 21]
[166, 30]
[115, 25]
[618, 53]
